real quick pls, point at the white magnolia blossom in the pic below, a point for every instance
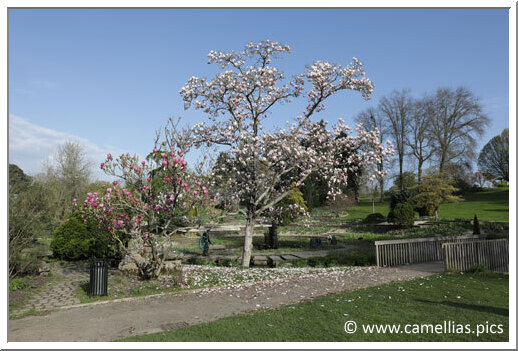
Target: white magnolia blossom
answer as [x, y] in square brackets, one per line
[264, 165]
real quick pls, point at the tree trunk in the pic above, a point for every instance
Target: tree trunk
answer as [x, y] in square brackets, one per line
[401, 185]
[271, 238]
[419, 171]
[247, 248]
[442, 162]
[382, 190]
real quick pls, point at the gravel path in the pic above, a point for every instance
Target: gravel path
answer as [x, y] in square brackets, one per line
[119, 319]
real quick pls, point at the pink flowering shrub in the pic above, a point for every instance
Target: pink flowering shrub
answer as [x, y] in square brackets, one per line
[147, 202]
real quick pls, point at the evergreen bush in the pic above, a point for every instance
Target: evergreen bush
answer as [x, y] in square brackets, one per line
[78, 239]
[403, 215]
[374, 218]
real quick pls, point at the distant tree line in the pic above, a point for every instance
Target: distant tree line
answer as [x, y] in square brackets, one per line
[437, 134]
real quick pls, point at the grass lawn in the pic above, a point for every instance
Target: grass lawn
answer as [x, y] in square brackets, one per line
[474, 299]
[491, 205]
[488, 206]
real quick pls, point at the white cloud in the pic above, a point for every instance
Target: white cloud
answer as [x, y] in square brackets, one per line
[31, 144]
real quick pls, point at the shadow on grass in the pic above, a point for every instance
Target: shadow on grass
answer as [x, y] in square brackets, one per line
[485, 309]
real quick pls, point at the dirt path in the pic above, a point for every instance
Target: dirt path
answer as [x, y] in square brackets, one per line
[120, 319]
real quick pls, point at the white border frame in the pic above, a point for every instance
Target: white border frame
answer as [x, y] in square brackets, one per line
[278, 4]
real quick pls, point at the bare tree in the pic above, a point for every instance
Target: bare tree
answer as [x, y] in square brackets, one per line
[494, 157]
[373, 119]
[457, 120]
[397, 109]
[419, 138]
[66, 177]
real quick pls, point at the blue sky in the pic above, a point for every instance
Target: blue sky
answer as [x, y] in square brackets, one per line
[110, 78]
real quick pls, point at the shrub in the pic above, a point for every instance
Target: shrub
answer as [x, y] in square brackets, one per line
[477, 189]
[396, 198]
[450, 229]
[403, 215]
[374, 218]
[290, 207]
[78, 239]
[426, 210]
[495, 228]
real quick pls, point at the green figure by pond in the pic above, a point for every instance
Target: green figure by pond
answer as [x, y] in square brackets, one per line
[205, 242]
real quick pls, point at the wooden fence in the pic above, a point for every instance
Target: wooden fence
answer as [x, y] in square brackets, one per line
[492, 254]
[400, 252]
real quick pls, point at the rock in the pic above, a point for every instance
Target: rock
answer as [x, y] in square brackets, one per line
[260, 260]
[217, 247]
[273, 261]
[129, 263]
[43, 268]
[128, 268]
[173, 255]
[44, 253]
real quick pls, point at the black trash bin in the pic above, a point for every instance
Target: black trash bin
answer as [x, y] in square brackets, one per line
[98, 277]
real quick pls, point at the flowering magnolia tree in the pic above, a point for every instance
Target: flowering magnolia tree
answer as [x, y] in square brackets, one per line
[157, 194]
[265, 164]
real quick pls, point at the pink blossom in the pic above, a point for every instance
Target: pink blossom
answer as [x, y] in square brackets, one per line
[115, 183]
[102, 165]
[109, 156]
